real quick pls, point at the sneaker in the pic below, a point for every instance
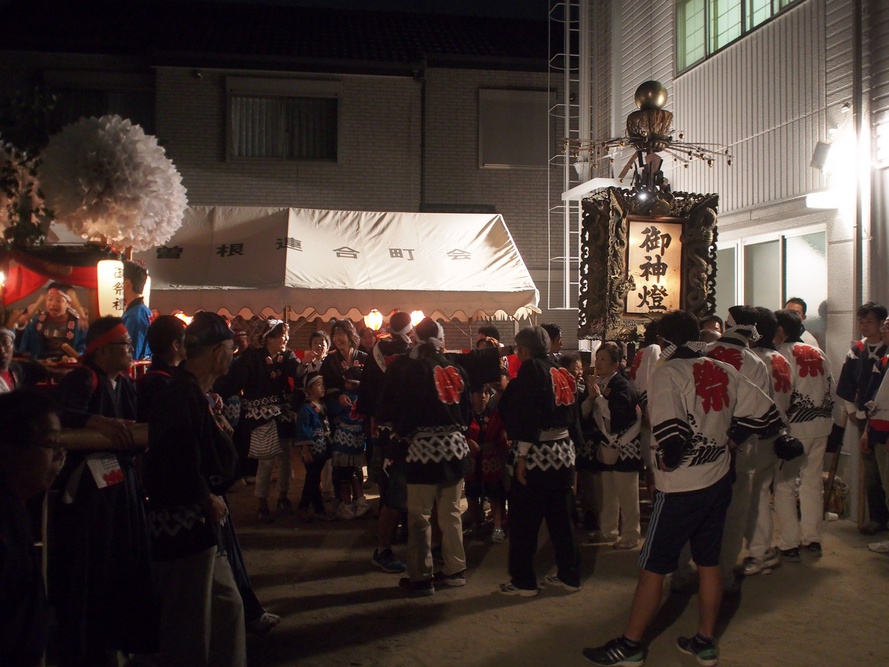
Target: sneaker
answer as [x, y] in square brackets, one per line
[510, 588]
[617, 652]
[791, 555]
[763, 565]
[871, 528]
[345, 513]
[261, 625]
[284, 506]
[417, 589]
[498, 536]
[879, 547]
[456, 579]
[388, 561]
[553, 580]
[705, 652]
[360, 508]
[600, 538]
[625, 545]
[815, 549]
[327, 515]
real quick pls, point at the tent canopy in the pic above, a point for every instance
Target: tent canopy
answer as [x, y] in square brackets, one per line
[328, 264]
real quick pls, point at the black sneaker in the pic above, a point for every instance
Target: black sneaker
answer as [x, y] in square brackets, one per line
[457, 579]
[616, 653]
[388, 561]
[791, 555]
[815, 549]
[284, 506]
[704, 652]
[417, 588]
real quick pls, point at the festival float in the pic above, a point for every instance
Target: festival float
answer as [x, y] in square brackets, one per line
[108, 183]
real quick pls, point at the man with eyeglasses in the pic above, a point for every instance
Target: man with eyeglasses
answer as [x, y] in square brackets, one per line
[30, 458]
[99, 569]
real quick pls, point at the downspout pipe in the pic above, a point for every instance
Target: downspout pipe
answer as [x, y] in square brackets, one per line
[418, 71]
[857, 122]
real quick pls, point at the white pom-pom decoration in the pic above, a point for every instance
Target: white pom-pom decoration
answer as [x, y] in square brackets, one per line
[108, 181]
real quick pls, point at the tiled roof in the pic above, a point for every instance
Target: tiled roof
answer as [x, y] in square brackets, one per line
[203, 34]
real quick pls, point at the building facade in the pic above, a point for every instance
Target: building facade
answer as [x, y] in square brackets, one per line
[799, 93]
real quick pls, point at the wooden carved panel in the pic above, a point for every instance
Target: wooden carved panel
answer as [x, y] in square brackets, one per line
[606, 278]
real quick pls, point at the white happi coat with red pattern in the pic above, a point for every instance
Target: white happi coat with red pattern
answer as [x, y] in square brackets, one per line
[811, 406]
[694, 403]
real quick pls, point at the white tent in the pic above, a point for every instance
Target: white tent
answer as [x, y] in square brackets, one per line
[328, 264]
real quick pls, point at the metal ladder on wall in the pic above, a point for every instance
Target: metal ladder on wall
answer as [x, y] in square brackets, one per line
[569, 118]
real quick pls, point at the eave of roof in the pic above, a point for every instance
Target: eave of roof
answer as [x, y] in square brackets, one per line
[275, 37]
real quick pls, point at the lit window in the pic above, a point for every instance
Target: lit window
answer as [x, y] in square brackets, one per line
[704, 27]
[692, 37]
[726, 22]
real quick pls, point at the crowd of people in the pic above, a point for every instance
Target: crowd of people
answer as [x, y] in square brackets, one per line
[721, 423]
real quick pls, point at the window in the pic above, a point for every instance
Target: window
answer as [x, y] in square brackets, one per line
[691, 36]
[87, 93]
[513, 129]
[768, 270]
[290, 120]
[704, 27]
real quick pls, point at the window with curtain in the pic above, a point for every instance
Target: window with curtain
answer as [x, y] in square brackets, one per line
[283, 118]
[704, 27]
[293, 128]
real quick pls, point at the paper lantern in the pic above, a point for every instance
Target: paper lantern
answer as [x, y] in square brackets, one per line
[374, 320]
[109, 273]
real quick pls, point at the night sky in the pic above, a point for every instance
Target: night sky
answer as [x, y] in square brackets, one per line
[524, 9]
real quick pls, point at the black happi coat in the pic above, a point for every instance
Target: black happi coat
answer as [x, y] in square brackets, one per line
[99, 572]
[428, 394]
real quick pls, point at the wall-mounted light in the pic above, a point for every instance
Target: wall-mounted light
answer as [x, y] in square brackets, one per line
[820, 155]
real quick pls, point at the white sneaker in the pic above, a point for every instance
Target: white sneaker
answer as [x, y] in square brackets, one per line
[624, 544]
[879, 547]
[345, 512]
[765, 565]
[360, 508]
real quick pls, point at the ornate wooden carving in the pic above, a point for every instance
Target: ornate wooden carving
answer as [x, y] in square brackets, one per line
[604, 276]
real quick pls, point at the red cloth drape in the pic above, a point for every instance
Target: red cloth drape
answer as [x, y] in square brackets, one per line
[29, 270]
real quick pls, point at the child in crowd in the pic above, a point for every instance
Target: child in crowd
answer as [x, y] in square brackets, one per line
[487, 446]
[348, 450]
[313, 440]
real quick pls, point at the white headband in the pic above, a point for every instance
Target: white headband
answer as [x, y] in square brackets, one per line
[271, 324]
[731, 325]
[694, 345]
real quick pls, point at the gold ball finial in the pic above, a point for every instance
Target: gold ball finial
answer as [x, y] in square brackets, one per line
[651, 95]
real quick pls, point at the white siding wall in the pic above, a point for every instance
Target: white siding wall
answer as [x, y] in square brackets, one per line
[764, 98]
[646, 49]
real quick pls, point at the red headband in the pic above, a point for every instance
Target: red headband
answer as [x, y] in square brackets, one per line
[117, 332]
